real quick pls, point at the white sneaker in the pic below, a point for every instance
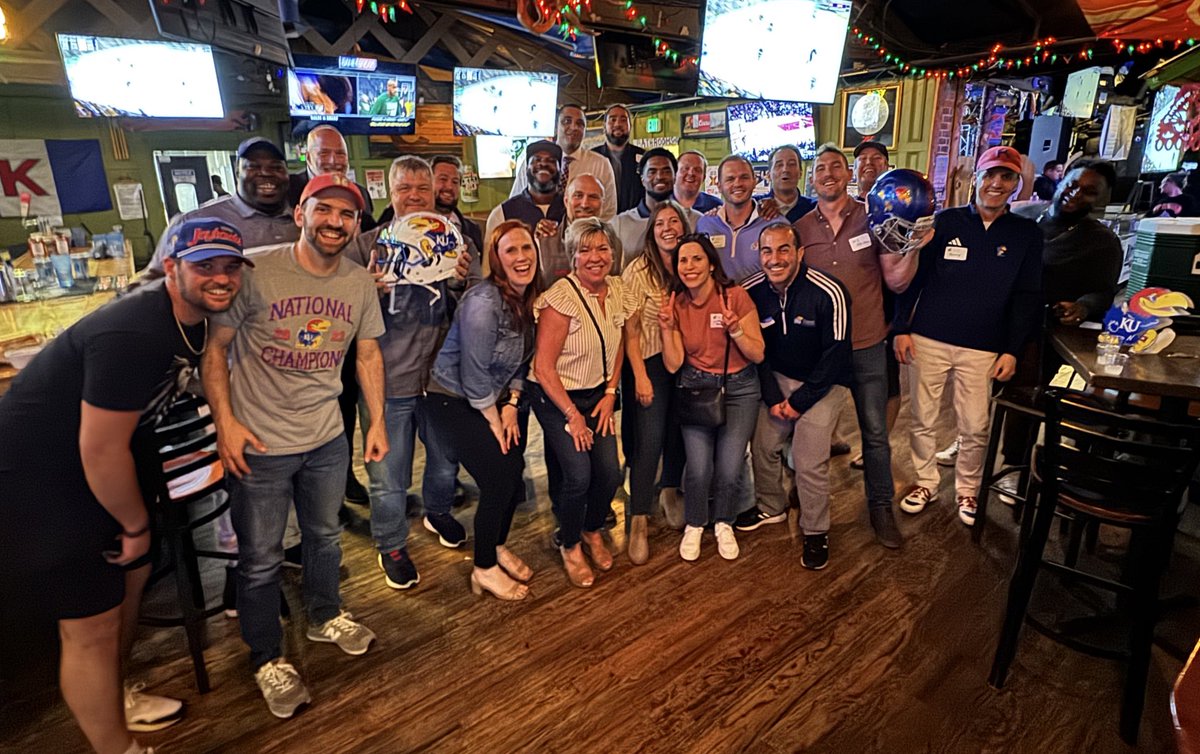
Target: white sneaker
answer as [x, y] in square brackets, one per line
[149, 712]
[351, 637]
[689, 545]
[946, 456]
[916, 500]
[727, 545]
[1008, 487]
[281, 687]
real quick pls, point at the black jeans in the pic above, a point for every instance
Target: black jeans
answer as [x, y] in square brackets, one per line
[497, 474]
[654, 436]
[582, 484]
[348, 400]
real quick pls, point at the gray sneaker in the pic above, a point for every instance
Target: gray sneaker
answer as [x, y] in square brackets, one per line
[353, 638]
[281, 687]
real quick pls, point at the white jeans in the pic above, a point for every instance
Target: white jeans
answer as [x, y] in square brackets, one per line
[934, 365]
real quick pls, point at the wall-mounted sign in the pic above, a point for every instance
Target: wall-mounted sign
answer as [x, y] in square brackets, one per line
[705, 124]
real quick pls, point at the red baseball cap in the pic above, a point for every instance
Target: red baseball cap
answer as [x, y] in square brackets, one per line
[331, 182]
[1000, 157]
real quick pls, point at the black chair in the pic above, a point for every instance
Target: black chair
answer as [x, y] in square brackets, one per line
[191, 472]
[1008, 404]
[1128, 471]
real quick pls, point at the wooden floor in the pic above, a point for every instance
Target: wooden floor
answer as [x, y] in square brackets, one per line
[881, 652]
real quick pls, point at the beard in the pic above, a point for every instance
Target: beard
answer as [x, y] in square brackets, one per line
[660, 196]
[312, 236]
[547, 187]
[444, 207]
[617, 141]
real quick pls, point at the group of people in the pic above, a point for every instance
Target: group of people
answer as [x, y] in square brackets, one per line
[729, 331]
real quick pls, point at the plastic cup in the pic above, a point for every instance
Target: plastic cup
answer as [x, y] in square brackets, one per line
[62, 270]
[1117, 364]
[79, 265]
[1105, 353]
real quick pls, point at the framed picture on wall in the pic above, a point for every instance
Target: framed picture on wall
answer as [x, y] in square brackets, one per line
[705, 124]
[870, 115]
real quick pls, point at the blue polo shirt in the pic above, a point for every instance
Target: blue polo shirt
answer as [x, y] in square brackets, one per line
[737, 247]
[976, 287]
[705, 202]
[802, 207]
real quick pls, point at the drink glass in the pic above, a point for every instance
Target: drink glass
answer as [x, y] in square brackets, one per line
[62, 270]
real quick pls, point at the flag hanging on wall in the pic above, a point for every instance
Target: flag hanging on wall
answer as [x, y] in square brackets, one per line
[61, 176]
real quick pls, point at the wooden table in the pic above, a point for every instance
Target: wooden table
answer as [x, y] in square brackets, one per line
[1150, 374]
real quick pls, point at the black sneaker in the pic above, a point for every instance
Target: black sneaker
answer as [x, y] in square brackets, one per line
[355, 492]
[450, 532]
[750, 520]
[816, 551]
[293, 557]
[398, 570]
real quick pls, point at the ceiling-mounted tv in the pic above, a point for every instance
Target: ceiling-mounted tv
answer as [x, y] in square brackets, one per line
[629, 61]
[756, 128]
[357, 95]
[504, 103]
[1163, 147]
[773, 49]
[136, 78]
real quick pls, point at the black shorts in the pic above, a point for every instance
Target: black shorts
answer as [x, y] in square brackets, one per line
[51, 551]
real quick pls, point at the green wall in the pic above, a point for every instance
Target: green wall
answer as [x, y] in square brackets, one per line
[46, 112]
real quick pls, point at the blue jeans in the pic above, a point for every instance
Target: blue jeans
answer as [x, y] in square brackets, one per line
[390, 478]
[655, 435]
[870, 390]
[259, 504]
[716, 457]
[582, 484]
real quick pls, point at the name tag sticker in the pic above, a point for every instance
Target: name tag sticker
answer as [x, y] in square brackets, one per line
[716, 321]
[956, 253]
[766, 322]
[860, 242]
[718, 241]
[800, 320]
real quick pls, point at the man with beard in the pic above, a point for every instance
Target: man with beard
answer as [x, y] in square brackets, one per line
[569, 131]
[979, 285]
[870, 162]
[689, 183]
[584, 198]
[786, 169]
[279, 432]
[658, 181]
[806, 321]
[78, 466]
[734, 227]
[623, 156]
[325, 152]
[417, 320]
[259, 209]
[540, 203]
[838, 241]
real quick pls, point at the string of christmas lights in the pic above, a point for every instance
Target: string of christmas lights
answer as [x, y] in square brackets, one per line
[995, 60]
[385, 11]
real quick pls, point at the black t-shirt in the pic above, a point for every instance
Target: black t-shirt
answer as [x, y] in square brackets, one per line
[127, 356]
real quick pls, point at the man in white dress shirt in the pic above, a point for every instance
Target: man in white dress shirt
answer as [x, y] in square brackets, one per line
[570, 127]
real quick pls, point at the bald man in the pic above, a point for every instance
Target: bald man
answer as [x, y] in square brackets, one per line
[584, 197]
[325, 152]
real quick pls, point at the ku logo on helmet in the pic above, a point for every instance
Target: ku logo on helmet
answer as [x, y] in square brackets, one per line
[418, 249]
[900, 209]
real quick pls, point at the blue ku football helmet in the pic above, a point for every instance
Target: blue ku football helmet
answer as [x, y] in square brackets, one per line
[900, 209]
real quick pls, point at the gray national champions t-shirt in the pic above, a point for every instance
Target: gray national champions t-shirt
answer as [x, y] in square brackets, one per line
[293, 331]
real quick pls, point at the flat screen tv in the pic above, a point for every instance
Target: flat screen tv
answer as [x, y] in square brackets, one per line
[773, 49]
[629, 61]
[756, 128]
[1079, 98]
[358, 95]
[1161, 152]
[504, 103]
[138, 78]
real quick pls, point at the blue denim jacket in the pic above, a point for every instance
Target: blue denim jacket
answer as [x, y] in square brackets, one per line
[483, 352]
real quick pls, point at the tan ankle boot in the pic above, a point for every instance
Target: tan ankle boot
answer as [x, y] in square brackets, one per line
[639, 545]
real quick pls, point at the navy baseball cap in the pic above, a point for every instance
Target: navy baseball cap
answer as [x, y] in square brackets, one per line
[863, 146]
[543, 146]
[197, 240]
[259, 142]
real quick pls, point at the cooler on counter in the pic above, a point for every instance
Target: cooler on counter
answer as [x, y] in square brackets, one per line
[1167, 255]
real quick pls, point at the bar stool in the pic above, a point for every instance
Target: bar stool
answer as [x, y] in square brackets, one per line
[191, 472]
[1124, 470]
[1009, 402]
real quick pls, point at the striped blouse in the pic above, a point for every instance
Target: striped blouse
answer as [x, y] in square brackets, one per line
[580, 366]
[645, 295]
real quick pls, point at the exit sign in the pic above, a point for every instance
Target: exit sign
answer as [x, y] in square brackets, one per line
[653, 124]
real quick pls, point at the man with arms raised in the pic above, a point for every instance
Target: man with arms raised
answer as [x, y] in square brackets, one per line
[278, 429]
[78, 463]
[805, 318]
[975, 301]
[571, 126]
[623, 156]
